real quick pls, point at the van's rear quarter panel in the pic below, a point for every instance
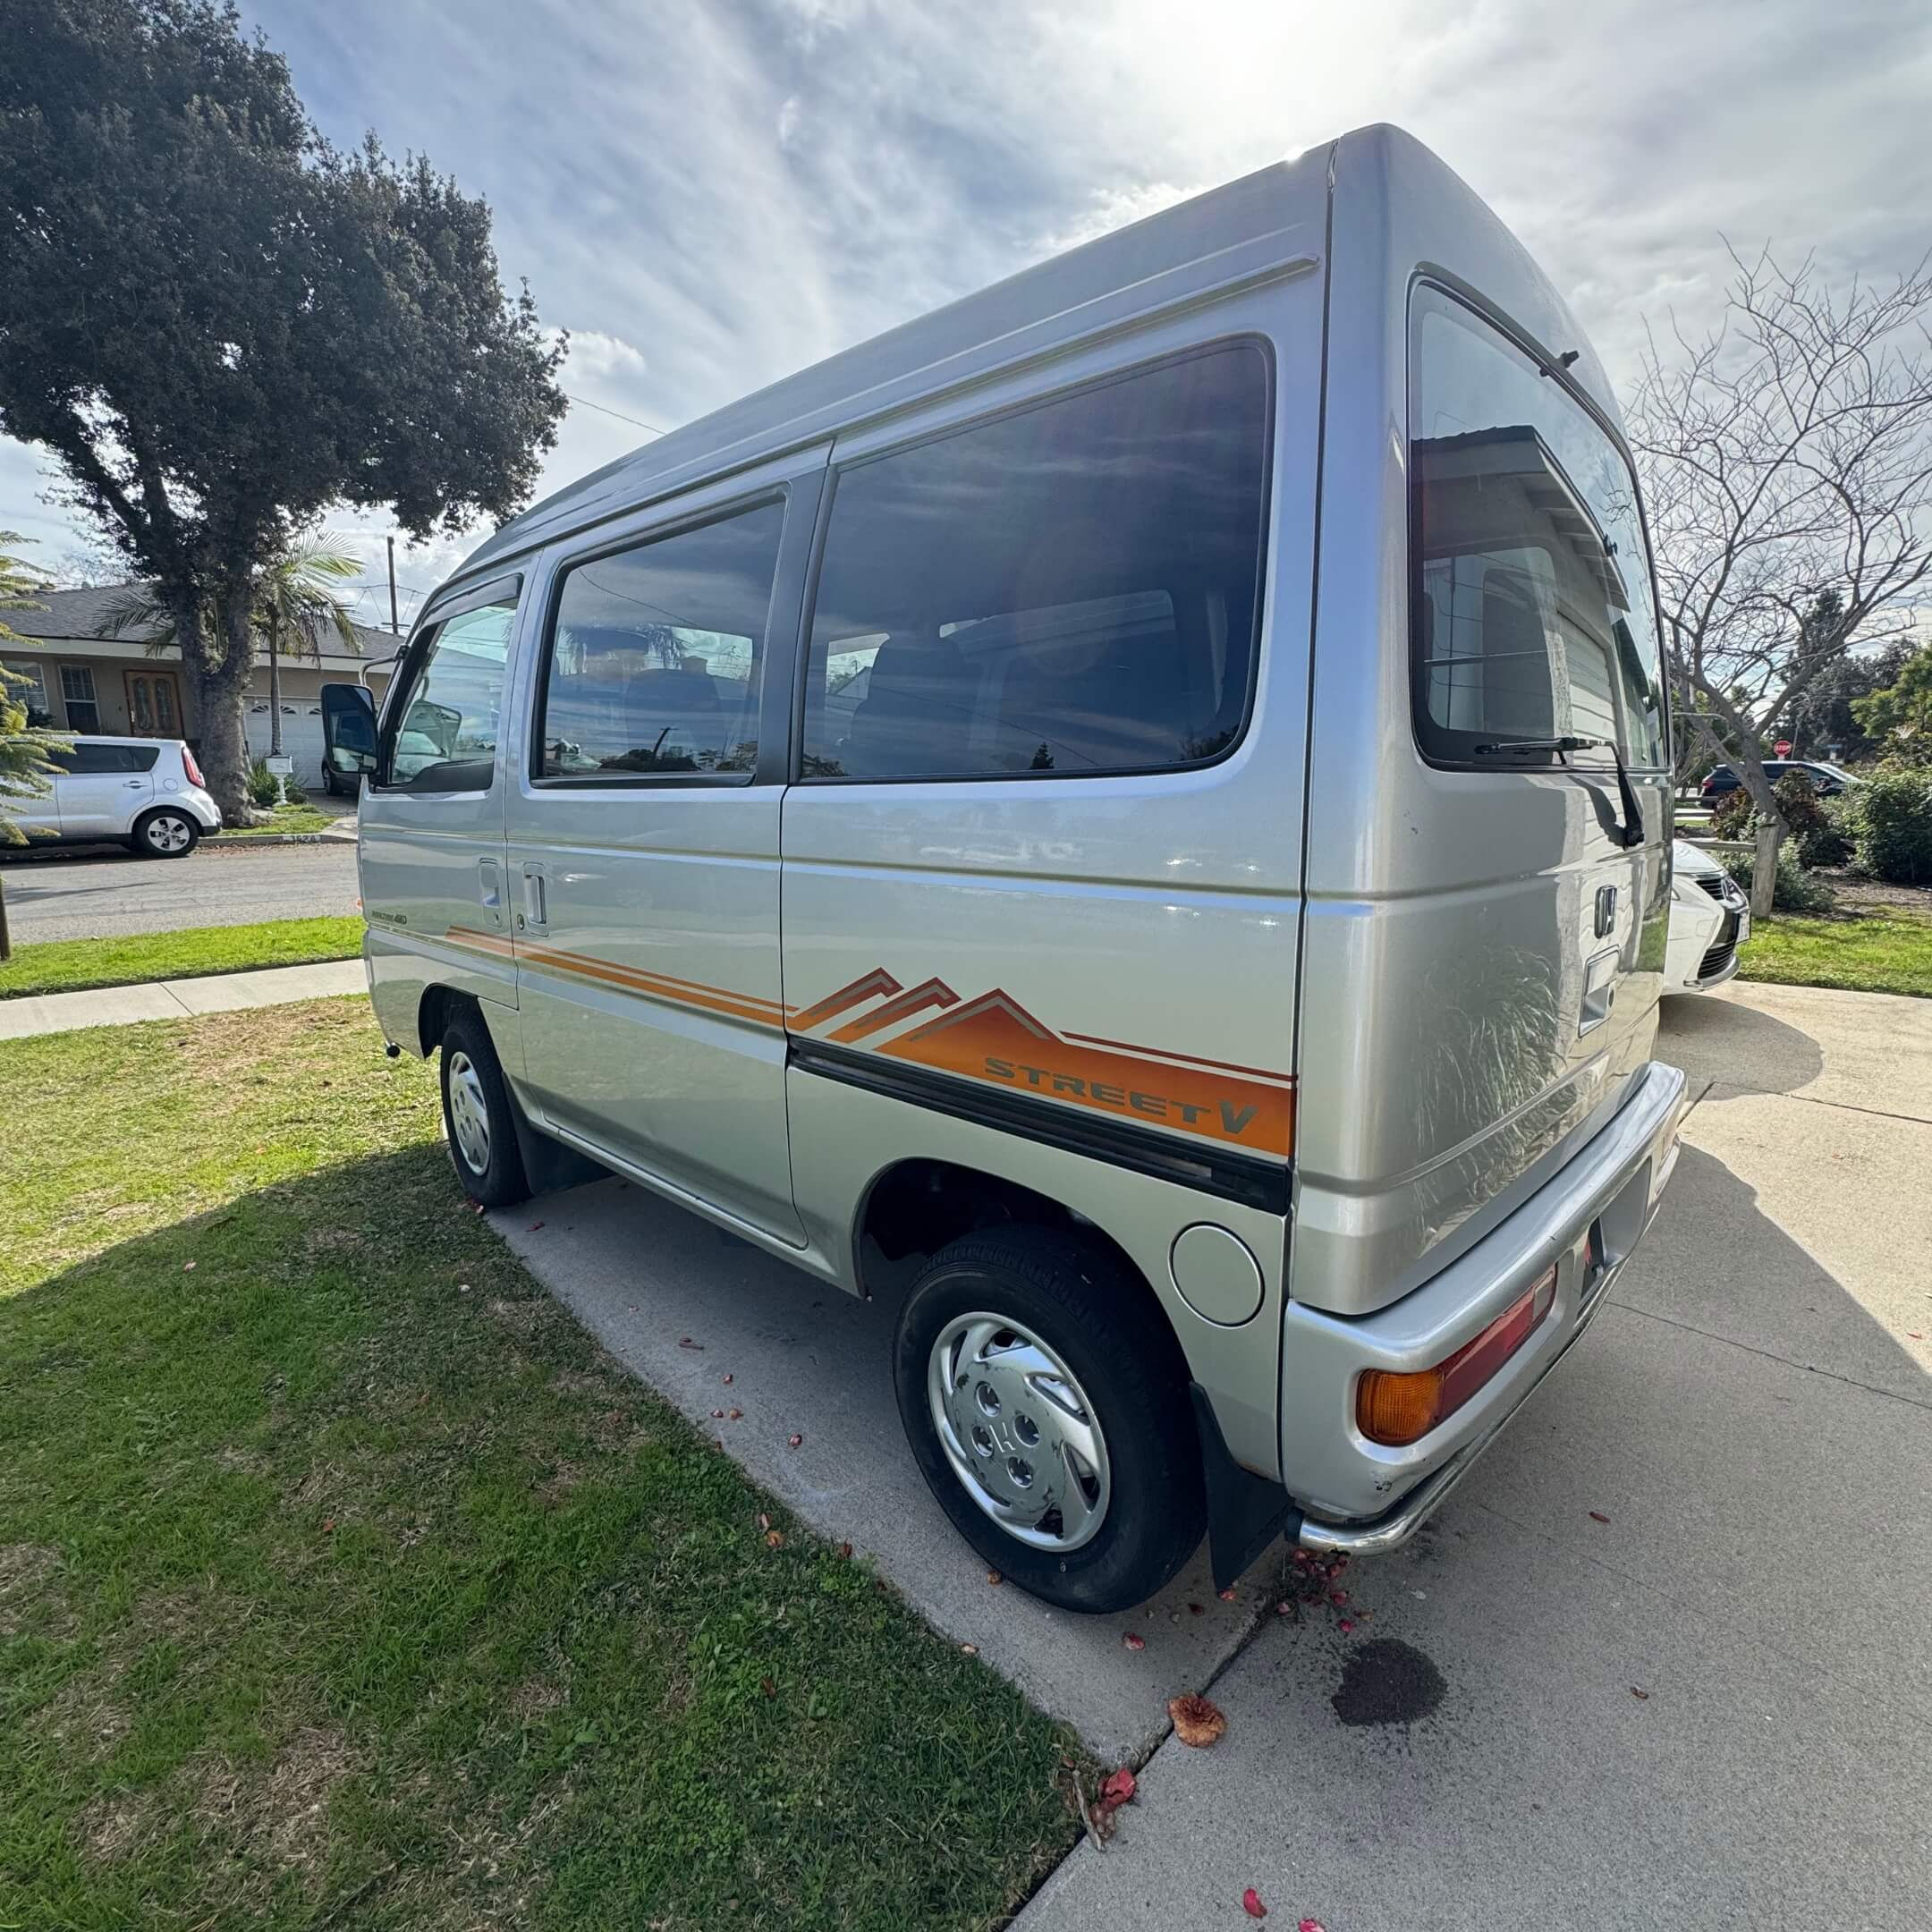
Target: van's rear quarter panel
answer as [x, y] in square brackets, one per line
[1449, 912]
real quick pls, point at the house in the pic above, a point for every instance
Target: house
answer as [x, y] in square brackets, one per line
[84, 676]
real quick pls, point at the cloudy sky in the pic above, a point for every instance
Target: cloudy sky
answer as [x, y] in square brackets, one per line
[710, 195]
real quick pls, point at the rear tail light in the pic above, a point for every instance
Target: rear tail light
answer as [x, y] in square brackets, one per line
[1396, 1410]
[189, 766]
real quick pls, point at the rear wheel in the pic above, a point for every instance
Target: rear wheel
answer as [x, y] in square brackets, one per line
[478, 1119]
[169, 833]
[1046, 1401]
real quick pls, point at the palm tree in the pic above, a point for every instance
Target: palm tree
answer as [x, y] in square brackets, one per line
[293, 597]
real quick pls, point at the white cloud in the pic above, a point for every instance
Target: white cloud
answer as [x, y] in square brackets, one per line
[713, 196]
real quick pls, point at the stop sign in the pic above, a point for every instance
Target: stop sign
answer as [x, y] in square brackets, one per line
[1782, 748]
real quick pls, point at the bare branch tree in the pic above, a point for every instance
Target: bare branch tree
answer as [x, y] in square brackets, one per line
[1787, 461]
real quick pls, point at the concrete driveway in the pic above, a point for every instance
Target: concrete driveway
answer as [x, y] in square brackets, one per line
[1662, 1661]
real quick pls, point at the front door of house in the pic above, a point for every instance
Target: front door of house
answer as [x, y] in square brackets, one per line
[153, 705]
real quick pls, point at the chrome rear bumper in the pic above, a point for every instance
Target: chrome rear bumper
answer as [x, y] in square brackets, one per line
[1599, 1187]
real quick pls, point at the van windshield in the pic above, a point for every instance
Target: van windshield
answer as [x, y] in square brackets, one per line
[1532, 616]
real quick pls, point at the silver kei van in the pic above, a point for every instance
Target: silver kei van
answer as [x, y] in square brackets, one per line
[1130, 816]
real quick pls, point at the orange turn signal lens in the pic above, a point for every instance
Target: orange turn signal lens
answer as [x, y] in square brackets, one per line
[1398, 1408]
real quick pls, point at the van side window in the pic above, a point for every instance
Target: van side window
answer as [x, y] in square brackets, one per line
[1532, 616]
[442, 735]
[656, 654]
[1070, 589]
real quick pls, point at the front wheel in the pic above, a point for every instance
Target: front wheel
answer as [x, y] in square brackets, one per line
[477, 1116]
[167, 833]
[1045, 1402]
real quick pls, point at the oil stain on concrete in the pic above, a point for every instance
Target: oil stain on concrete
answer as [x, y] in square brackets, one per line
[1387, 1681]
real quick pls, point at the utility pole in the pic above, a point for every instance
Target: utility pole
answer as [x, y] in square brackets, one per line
[395, 629]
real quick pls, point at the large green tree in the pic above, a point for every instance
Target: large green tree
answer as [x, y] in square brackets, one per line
[1899, 717]
[219, 325]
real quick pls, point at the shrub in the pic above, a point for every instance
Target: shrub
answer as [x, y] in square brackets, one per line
[1794, 889]
[1819, 838]
[1733, 815]
[1835, 838]
[1893, 834]
[293, 793]
[262, 788]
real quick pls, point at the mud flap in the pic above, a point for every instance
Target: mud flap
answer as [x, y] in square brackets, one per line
[1245, 1512]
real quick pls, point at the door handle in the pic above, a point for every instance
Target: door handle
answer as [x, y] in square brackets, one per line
[489, 886]
[535, 915]
[134, 784]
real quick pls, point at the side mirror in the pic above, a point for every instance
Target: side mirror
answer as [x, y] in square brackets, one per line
[348, 729]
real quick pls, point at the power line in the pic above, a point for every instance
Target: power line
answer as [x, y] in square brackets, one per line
[636, 421]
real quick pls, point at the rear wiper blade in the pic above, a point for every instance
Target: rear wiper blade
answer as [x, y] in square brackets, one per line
[1631, 830]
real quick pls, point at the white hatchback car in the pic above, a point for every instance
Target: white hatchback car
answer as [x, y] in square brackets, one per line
[145, 793]
[1710, 921]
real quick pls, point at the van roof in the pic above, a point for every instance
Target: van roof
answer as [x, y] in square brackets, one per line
[1263, 226]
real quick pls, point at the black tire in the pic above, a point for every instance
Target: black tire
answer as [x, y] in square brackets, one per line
[168, 831]
[1089, 1309]
[328, 782]
[499, 1181]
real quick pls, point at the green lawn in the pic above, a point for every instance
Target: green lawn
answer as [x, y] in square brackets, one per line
[285, 819]
[345, 1582]
[1882, 951]
[67, 965]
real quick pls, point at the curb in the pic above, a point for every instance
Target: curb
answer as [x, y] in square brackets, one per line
[230, 842]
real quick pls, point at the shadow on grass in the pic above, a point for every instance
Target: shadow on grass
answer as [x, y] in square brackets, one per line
[343, 1577]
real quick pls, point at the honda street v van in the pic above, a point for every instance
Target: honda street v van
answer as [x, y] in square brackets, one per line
[1130, 816]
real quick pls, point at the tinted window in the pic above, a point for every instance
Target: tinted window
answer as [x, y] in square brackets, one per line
[441, 734]
[1071, 589]
[656, 653]
[1532, 609]
[84, 758]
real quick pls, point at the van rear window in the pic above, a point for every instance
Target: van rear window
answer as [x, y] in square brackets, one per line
[1532, 616]
[1065, 591]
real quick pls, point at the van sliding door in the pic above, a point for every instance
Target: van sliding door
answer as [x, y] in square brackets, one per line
[643, 843]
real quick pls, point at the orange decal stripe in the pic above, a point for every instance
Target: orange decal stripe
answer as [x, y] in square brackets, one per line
[994, 1040]
[1162, 1052]
[877, 984]
[928, 993]
[629, 979]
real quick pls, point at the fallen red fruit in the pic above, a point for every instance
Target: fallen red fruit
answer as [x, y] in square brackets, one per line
[794, 1440]
[1250, 1903]
[1228, 1595]
[683, 1340]
[1134, 1640]
[1345, 1624]
[1117, 1788]
[1597, 1515]
[727, 1381]
[737, 1415]
[718, 1415]
[1312, 1925]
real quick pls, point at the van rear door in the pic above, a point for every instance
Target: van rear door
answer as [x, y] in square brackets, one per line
[1495, 989]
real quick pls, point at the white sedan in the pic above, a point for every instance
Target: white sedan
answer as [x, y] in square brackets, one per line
[1710, 921]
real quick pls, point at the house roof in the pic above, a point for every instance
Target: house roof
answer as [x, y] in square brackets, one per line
[84, 617]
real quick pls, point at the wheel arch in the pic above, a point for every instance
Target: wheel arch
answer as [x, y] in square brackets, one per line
[915, 1207]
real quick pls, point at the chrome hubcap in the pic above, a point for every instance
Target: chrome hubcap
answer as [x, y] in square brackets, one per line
[1018, 1431]
[469, 1113]
[168, 834]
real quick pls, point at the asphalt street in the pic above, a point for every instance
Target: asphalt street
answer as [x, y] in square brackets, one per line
[108, 894]
[1661, 1661]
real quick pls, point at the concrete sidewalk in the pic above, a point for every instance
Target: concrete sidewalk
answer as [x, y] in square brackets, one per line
[174, 999]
